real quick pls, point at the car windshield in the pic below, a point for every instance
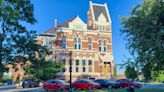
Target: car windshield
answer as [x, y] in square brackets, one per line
[61, 81]
[113, 80]
[27, 80]
[85, 81]
[89, 81]
[107, 80]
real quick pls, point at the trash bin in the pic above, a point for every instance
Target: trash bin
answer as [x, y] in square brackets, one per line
[9, 82]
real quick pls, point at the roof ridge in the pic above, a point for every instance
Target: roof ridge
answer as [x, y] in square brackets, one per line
[69, 20]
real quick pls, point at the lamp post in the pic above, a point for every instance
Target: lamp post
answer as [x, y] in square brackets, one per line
[70, 70]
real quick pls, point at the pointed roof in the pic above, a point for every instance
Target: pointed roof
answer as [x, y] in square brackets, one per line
[99, 9]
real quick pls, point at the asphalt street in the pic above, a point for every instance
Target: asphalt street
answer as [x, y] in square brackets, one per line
[40, 89]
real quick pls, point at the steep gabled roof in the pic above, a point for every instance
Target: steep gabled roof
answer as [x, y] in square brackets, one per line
[50, 31]
[66, 23]
[98, 10]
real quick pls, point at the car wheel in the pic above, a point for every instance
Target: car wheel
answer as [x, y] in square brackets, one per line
[74, 88]
[109, 87]
[23, 86]
[46, 89]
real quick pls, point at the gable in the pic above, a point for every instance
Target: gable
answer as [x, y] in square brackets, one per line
[77, 24]
[102, 18]
[98, 10]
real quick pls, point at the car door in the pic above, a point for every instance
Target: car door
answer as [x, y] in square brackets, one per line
[81, 84]
[126, 83]
[52, 85]
[85, 84]
[76, 84]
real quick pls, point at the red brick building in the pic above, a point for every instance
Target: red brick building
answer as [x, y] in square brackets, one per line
[90, 43]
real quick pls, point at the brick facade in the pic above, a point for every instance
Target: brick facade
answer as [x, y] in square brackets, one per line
[91, 44]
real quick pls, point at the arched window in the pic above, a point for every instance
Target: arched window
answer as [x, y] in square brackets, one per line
[77, 43]
[100, 45]
[90, 65]
[64, 42]
[105, 45]
[89, 44]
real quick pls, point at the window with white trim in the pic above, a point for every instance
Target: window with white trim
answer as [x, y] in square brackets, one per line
[90, 65]
[100, 45]
[105, 45]
[77, 65]
[77, 43]
[84, 69]
[64, 42]
[90, 44]
[83, 62]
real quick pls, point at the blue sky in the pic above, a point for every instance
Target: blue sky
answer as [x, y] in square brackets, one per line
[47, 10]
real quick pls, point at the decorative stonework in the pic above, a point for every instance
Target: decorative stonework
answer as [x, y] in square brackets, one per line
[98, 29]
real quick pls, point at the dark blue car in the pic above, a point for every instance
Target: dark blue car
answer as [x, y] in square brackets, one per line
[105, 83]
[29, 83]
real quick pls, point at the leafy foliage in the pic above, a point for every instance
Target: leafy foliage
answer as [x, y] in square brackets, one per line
[15, 39]
[44, 70]
[131, 73]
[144, 30]
[115, 71]
[18, 41]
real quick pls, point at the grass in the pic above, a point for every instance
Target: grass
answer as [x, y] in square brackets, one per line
[123, 90]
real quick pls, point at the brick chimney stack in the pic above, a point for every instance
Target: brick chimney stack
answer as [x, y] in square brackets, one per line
[55, 23]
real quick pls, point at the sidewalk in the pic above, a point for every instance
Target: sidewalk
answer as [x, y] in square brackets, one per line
[7, 87]
[37, 89]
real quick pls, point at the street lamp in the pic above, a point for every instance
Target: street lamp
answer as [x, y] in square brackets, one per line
[70, 70]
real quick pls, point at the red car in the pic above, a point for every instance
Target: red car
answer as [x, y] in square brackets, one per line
[55, 85]
[125, 83]
[85, 84]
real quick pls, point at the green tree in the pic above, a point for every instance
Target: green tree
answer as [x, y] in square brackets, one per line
[131, 73]
[15, 39]
[144, 30]
[44, 70]
[115, 71]
[13, 14]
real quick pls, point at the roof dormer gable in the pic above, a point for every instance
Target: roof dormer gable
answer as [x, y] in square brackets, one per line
[77, 24]
[102, 18]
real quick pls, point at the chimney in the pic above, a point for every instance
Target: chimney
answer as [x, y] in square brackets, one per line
[55, 23]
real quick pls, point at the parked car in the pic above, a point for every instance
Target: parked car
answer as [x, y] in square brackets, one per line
[55, 85]
[105, 83]
[30, 83]
[126, 83]
[91, 78]
[86, 84]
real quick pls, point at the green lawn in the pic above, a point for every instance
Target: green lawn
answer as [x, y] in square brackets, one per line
[123, 90]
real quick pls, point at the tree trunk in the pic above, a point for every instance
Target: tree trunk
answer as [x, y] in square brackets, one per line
[0, 50]
[1, 41]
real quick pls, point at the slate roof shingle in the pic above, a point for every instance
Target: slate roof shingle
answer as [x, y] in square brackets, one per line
[98, 10]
